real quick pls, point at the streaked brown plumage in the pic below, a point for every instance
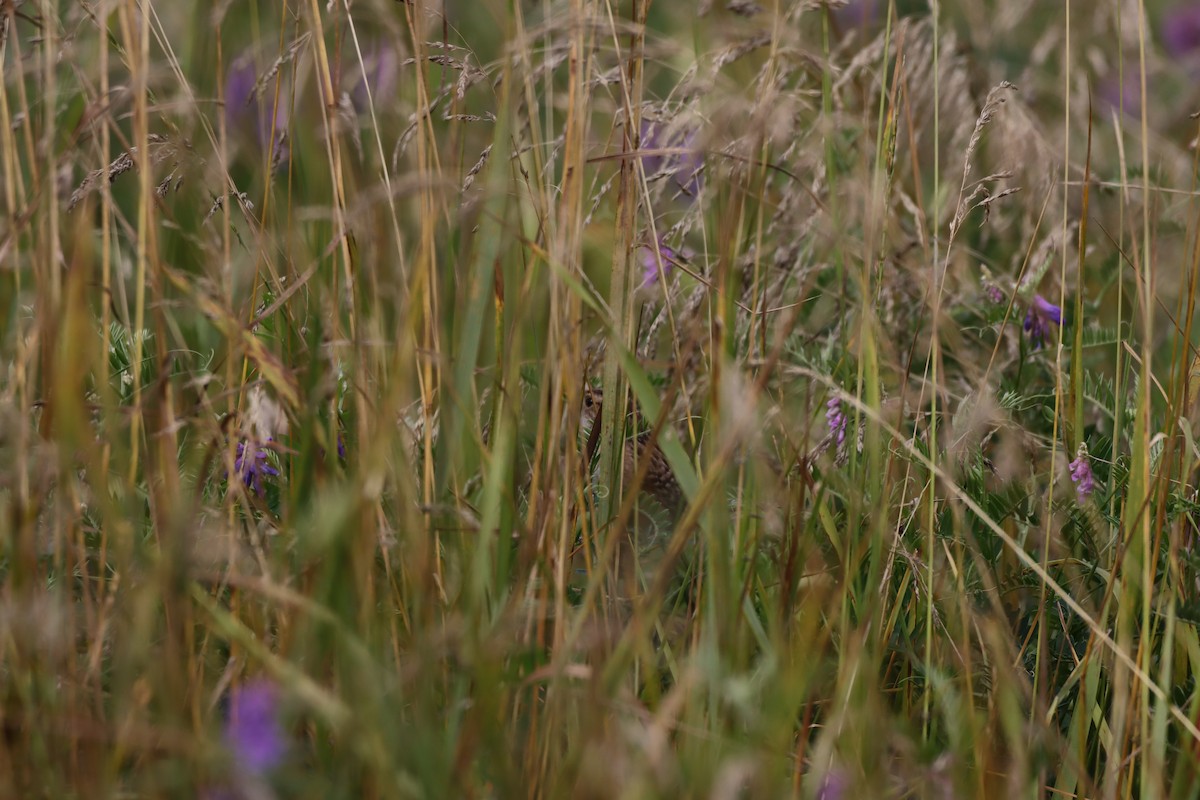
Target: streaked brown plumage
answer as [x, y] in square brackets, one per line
[659, 481]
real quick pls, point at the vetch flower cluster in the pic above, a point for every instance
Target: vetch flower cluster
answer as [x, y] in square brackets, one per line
[253, 731]
[1040, 318]
[835, 418]
[1181, 31]
[856, 14]
[649, 261]
[683, 167]
[1081, 475]
[251, 464]
[256, 740]
[993, 293]
[257, 116]
[1122, 92]
[376, 78]
[834, 786]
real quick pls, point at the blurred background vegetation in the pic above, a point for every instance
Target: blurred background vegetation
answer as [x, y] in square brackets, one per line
[304, 307]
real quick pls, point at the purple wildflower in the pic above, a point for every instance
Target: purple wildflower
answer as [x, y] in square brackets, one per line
[253, 731]
[834, 786]
[250, 115]
[993, 293]
[683, 168]
[252, 466]
[1081, 475]
[856, 14]
[1122, 94]
[239, 89]
[341, 448]
[835, 418]
[650, 262]
[378, 73]
[1041, 315]
[1181, 30]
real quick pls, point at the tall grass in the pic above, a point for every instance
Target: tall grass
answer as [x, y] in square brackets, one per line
[299, 303]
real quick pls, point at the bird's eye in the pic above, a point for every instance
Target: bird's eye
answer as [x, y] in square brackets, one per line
[587, 401]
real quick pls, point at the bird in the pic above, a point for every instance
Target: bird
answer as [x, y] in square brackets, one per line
[638, 552]
[659, 482]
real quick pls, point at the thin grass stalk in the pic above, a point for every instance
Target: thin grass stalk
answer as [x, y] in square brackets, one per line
[1040, 677]
[612, 416]
[1074, 431]
[934, 360]
[384, 171]
[26, 121]
[425, 296]
[563, 220]
[1137, 514]
[1119, 676]
[138, 45]
[869, 380]
[480, 291]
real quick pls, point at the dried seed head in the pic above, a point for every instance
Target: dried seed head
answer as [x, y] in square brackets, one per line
[264, 418]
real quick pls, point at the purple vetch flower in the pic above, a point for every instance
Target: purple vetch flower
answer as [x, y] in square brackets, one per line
[249, 115]
[1081, 475]
[254, 733]
[649, 260]
[683, 168]
[1180, 30]
[856, 14]
[835, 418]
[1122, 94]
[252, 466]
[239, 88]
[835, 785]
[993, 293]
[378, 72]
[1038, 319]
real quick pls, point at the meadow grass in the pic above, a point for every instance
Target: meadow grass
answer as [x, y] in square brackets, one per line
[299, 302]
